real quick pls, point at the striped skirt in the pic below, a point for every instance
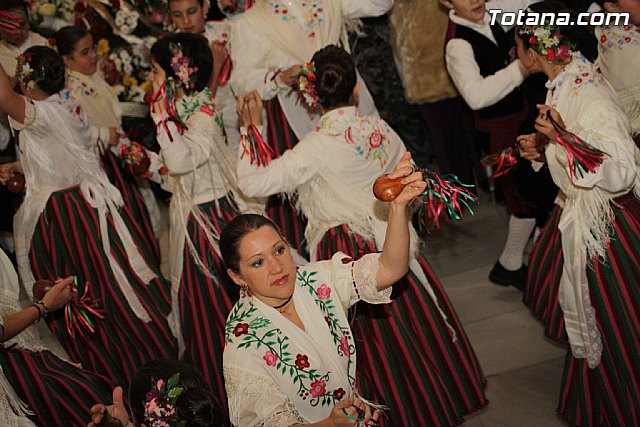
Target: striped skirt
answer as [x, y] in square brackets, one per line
[543, 280]
[67, 241]
[609, 394]
[281, 210]
[136, 215]
[407, 359]
[59, 393]
[206, 302]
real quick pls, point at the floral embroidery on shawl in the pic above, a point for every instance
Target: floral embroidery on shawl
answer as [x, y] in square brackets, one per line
[201, 101]
[71, 104]
[258, 332]
[81, 88]
[311, 11]
[618, 36]
[580, 72]
[368, 135]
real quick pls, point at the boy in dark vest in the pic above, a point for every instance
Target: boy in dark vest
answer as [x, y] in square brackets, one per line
[479, 60]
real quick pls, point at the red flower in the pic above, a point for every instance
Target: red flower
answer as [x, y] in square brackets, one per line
[163, 171]
[206, 109]
[241, 329]
[339, 393]
[311, 77]
[533, 40]
[375, 140]
[318, 388]
[302, 361]
[344, 346]
[550, 54]
[578, 80]
[603, 39]
[627, 39]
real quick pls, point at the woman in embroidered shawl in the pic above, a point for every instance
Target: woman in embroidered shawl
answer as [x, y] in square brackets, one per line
[597, 228]
[290, 357]
[86, 82]
[414, 350]
[35, 382]
[70, 223]
[196, 166]
[271, 41]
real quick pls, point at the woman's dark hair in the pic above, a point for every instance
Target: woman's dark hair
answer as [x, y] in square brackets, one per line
[196, 404]
[194, 47]
[47, 61]
[13, 4]
[67, 37]
[201, 2]
[233, 233]
[583, 39]
[335, 76]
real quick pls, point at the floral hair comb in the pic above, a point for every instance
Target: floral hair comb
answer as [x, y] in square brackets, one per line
[181, 68]
[548, 41]
[26, 74]
[160, 404]
[306, 84]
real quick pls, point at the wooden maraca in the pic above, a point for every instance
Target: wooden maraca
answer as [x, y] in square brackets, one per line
[41, 287]
[15, 184]
[387, 189]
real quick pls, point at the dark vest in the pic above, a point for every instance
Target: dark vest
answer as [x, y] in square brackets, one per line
[491, 58]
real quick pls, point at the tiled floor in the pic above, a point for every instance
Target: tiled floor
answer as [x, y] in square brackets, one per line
[523, 368]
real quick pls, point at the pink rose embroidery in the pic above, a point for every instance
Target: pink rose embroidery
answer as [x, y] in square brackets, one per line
[324, 292]
[207, 110]
[344, 346]
[318, 388]
[375, 140]
[270, 358]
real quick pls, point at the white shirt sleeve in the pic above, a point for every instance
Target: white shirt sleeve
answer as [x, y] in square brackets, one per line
[607, 128]
[186, 152]
[282, 175]
[365, 8]
[478, 91]
[250, 58]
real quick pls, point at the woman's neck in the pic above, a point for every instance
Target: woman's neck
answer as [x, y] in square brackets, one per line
[552, 70]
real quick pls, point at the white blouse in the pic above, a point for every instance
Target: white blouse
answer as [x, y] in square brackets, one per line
[277, 374]
[275, 35]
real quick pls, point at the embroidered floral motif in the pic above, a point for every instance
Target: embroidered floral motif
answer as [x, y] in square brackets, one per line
[311, 11]
[580, 73]
[367, 135]
[259, 332]
[79, 87]
[71, 104]
[203, 102]
[618, 36]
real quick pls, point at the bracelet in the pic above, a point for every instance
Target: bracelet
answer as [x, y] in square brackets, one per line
[351, 417]
[35, 304]
[46, 309]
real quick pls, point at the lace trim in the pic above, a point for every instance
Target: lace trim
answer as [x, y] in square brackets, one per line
[29, 116]
[364, 273]
[271, 409]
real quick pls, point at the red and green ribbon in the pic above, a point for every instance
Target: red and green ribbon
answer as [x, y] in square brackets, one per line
[168, 95]
[444, 194]
[254, 145]
[80, 312]
[225, 71]
[501, 162]
[9, 22]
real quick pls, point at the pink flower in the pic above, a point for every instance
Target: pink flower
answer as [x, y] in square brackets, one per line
[159, 384]
[375, 140]
[157, 17]
[324, 292]
[344, 346]
[318, 388]
[270, 358]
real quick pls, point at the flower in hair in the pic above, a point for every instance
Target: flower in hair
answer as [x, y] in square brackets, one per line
[181, 68]
[26, 74]
[548, 41]
[160, 404]
[305, 83]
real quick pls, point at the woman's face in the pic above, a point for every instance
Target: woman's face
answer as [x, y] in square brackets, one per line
[84, 57]
[188, 16]
[632, 7]
[157, 76]
[266, 266]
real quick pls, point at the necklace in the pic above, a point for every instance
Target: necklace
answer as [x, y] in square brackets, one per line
[281, 307]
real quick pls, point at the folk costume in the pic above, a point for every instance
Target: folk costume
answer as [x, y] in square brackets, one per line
[273, 36]
[332, 170]
[195, 165]
[71, 223]
[36, 384]
[598, 230]
[103, 110]
[278, 374]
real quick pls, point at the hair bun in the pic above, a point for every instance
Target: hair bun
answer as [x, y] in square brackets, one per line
[198, 407]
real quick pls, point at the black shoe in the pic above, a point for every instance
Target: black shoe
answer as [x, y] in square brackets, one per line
[503, 277]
